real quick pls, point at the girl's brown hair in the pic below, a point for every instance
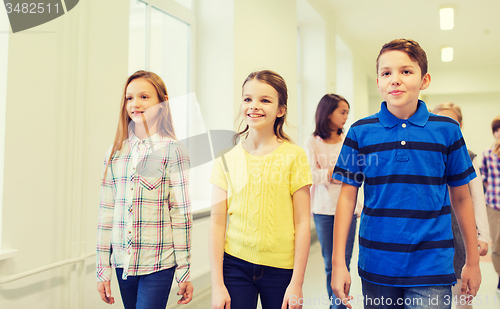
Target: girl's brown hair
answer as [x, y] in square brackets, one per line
[449, 106]
[495, 125]
[274, 80]
[326, 106]
[164, 119]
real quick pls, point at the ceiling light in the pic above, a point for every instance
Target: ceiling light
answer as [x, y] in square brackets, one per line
[446, 18]
[447, 54]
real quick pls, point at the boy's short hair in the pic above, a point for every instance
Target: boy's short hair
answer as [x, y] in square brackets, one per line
[411, 48]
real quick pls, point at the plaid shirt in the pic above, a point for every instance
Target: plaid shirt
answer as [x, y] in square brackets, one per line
[491, 174]
[136, 231]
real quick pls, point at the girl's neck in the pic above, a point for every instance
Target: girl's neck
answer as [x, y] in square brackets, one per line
[261, 143]
[141, 133]
[333, 139]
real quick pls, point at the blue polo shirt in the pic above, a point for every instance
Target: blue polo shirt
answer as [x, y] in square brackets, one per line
[405, 236]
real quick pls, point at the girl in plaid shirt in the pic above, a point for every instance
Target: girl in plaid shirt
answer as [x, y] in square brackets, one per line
[144, 215]
[491, 179]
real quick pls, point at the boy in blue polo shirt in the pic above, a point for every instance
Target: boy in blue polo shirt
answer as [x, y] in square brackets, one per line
[406, 157]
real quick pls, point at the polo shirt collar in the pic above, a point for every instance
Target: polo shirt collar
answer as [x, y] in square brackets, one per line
[388, 120]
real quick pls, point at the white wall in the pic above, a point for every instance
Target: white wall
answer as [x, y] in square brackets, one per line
[312, 66]
[64, 85]
[4, 50]
[265, 37]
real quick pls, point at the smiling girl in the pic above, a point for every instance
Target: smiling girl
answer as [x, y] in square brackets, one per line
[144, 215]
[263, 185]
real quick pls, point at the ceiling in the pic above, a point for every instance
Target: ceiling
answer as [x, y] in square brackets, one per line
[475, 37]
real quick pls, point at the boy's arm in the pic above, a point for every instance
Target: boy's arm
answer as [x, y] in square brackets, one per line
[462, 206]
[341, 279]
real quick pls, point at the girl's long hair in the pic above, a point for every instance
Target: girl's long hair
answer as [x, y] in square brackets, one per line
[274, 80]
[495, 125]
[326, 106]
[164, 119]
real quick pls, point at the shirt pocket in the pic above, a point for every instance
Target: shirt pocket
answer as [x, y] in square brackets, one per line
[151, 182]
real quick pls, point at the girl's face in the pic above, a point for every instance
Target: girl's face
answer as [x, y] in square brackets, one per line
[339, 116]
[496, 134]
[260, 106]
[141, 98]
[449, 113]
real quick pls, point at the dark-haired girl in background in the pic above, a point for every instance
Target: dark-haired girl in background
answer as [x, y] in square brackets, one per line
[323, 148]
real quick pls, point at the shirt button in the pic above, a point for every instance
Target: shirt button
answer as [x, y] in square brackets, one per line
[403, 143]
[404, 125]
[131, 189]
[130, 232]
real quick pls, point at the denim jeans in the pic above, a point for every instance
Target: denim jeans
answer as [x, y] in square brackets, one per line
[146, 291]
[245, 281]
[324, 229]
[385, 297]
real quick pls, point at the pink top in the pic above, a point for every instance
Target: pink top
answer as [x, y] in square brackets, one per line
[322, 157]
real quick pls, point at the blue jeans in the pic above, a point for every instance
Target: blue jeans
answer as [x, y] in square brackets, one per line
[324, 229]
[146, 291]
[385, 297]
[245, 281]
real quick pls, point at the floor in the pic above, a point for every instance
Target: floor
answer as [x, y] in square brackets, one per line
[315, 295]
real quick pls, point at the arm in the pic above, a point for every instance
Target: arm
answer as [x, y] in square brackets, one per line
[104, 234]
[179, 205]
[218, 217]
[462, 206]
[341, 279]
[320, 175]
[477, 195]
[302, 243]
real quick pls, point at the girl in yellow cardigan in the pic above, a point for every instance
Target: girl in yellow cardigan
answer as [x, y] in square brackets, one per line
[263, 185]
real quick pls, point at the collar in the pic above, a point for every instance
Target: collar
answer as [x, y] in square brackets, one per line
[388, 120]
[149, 142]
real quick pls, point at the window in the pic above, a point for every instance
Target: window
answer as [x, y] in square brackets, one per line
[160, 40]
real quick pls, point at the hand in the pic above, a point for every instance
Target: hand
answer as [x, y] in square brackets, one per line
[186, 290]
[483, 247]
[341, 284]
[220, 298]
[293, 297]
[471, 280]
[104, 289]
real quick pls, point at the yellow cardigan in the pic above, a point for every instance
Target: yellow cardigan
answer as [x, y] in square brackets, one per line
[260, 188]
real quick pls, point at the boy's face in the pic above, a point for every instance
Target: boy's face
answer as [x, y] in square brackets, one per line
[399, 81]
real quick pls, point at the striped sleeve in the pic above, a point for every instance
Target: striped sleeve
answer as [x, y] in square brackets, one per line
[105, 223]
[459, 169]
[180, 209]
[347, 168]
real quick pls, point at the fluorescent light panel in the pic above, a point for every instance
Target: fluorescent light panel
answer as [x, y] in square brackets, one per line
[446, 18]
[447, 54]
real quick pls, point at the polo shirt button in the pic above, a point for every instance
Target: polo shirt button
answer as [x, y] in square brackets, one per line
[403, 143]
[404, 125]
